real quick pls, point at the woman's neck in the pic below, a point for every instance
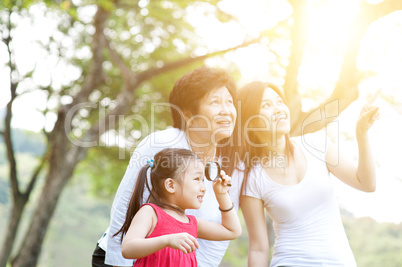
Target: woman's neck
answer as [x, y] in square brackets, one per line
[278, 145]
[275, 149]
[205, 149]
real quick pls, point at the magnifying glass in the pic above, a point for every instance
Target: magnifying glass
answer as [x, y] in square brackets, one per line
[212, 171]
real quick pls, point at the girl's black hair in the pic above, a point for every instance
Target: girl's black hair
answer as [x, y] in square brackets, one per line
[168, 163]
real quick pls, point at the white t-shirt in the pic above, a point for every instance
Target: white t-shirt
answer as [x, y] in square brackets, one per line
[210, 252]
[306, 218]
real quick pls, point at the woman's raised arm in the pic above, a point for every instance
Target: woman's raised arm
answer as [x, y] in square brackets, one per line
[362, 176]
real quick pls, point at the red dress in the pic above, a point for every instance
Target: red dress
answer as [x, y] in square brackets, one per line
[168, 256]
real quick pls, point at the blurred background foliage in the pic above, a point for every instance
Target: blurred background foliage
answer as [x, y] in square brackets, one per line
[125, 69]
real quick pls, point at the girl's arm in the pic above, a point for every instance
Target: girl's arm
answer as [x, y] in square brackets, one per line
[363, 176]
[254, 216]
[136, 245]
[230, 227]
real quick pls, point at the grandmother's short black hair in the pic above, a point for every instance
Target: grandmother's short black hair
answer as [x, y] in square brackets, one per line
[191, 87]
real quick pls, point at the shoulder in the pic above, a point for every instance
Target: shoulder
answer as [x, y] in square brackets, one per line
[193, 219]
[171, 137]
[148, 210]
[317, 140]
[239, 170]
[315, 143]
[168, 134]
[255, 179]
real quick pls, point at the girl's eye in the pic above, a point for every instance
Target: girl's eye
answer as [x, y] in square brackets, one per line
[280, 101]
[230, 101]
[197, 178]
[214, 102]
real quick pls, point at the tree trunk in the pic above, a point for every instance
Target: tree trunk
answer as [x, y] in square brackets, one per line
[61, 166]
[346, 90]
[59, 173]
[13, 223]
[299, 40]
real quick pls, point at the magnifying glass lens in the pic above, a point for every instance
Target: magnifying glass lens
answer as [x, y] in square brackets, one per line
[212, 170]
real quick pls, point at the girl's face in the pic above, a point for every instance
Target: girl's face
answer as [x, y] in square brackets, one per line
[216, 116]
[275, 112]
[192, 188]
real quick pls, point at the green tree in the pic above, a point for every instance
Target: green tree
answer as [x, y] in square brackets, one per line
[134, 48]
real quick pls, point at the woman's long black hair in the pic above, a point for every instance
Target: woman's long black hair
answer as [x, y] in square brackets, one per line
[250, 97]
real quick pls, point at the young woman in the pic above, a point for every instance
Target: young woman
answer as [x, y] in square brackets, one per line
[203, 112]
[289, 178]
[159, 233]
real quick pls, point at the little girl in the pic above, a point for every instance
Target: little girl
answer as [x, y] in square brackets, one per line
[159, 233]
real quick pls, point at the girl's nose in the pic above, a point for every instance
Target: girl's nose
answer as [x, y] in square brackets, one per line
[203, 188]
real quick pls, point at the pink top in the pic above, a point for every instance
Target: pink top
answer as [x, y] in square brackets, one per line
[168, 256]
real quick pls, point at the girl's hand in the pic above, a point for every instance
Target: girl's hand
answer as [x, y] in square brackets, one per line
[183, 241]
[368, 115]
[222, 185]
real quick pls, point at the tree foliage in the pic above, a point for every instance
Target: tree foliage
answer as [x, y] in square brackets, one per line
[117, 52]
[120, 57]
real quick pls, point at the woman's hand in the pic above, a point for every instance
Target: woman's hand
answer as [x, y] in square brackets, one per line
[368, 115]
[362, 176]
[222, 185]
[182, 241]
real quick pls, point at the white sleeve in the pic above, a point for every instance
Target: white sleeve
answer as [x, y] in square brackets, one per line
[253, 186]
[316, 144]
[237, 181]
[142, 153]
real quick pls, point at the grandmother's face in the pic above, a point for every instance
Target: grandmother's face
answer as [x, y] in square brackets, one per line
[216, 116]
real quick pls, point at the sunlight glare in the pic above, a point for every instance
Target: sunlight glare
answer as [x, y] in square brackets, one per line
[328, 33]
[252, 18]
[255, 16]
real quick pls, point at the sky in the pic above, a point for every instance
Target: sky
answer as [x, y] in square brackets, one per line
[380, 55]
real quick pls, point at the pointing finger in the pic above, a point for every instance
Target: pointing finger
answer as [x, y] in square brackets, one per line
[373, 97]
[370, 112]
